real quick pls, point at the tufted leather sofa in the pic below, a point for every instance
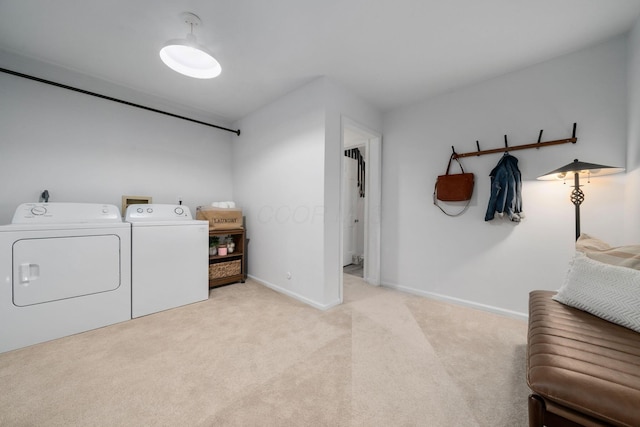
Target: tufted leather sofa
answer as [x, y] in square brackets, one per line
[582, 370]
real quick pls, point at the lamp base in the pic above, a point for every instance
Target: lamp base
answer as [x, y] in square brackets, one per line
[577, 197]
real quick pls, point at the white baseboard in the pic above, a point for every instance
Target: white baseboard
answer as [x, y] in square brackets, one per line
[296, 296]
[459, 301]
[419, 292]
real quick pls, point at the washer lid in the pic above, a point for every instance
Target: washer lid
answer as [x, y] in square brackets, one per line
[157, 212]
[65, 213]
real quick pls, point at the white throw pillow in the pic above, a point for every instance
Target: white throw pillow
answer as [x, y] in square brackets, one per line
[607, 291]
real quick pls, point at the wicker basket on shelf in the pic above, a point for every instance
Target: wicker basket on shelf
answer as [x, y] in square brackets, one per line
[224, 269]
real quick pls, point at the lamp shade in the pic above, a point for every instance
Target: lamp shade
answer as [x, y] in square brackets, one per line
[187, 57]
[582, 168]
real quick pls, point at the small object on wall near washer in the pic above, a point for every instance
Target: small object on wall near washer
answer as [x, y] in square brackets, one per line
[44, 197]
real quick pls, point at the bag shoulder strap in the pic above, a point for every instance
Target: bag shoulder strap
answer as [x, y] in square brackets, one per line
[454, 157]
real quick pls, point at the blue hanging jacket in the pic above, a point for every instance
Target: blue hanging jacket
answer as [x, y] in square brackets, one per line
[506, 190]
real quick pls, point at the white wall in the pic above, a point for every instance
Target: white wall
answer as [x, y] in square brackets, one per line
[497, 263]
[86, 149]
[287, 168]
[632, 193]
[279, 183]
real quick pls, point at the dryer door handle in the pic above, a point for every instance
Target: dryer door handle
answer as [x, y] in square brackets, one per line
[28, 272]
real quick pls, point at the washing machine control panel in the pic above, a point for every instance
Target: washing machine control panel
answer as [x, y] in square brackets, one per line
[157, 212]
[65, 213]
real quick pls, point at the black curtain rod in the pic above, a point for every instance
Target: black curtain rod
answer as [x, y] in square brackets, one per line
[86, 92]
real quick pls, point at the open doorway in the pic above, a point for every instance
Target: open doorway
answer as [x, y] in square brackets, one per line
[353, 199]
[360, 206]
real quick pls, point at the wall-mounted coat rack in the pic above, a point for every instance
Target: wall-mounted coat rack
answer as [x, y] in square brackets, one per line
[506, 148]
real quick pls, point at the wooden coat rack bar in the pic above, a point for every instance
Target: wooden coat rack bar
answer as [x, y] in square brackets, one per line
[506, 148]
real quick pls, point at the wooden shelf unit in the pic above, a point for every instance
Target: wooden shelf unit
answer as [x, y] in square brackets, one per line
[239, 254]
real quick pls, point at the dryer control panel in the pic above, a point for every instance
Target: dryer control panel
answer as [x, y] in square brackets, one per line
[65, 213]
[157, 212]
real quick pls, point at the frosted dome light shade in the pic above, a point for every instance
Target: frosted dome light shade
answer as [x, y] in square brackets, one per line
[188, 58]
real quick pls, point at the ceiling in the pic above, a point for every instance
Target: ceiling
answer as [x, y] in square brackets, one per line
[389, 52]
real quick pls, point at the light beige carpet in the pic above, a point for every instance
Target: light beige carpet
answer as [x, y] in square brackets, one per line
[252, 357]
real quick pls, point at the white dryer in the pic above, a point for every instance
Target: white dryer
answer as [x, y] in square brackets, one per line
[170, 258]
[66, 268]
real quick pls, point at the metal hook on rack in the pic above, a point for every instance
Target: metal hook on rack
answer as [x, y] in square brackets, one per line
[539, 139]
[478, 145]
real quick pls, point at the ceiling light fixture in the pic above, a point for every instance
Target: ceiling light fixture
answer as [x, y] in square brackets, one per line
[188, 57]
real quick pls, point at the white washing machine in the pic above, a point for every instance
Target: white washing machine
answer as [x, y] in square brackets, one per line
[66, 268]
[169, 258]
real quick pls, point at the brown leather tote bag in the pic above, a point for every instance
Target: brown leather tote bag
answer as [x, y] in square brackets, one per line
[454, 187]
